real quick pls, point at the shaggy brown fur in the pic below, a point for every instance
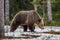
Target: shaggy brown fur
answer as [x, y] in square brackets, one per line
[27, 19]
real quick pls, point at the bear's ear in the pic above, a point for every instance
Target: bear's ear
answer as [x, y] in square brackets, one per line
[39, 20]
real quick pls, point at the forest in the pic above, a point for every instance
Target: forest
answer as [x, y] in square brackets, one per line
[18, 5]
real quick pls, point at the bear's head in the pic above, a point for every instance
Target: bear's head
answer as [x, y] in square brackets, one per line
[40, 23]
[38, 19]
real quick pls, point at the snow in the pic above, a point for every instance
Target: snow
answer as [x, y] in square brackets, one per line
[40, 36]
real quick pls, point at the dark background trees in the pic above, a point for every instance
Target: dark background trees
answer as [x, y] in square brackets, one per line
[18, 5]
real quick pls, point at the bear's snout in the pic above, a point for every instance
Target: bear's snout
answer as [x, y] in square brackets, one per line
[42, 28]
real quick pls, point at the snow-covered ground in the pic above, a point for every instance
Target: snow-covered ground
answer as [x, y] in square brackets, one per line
[38, 35]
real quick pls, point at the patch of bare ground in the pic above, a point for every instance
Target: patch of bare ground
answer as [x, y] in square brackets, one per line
[30, 36]
[52, 32]
[24, 36]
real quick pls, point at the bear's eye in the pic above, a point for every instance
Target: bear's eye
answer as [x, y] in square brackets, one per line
[39, 20]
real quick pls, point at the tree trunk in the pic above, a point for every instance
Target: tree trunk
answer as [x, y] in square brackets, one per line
[1, 18]
[6, 11]
[49, 11]
[35, 7]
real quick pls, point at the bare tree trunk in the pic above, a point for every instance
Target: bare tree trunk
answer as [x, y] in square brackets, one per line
[49, 11]
[1, 18]
[6, 11]
[35, 7]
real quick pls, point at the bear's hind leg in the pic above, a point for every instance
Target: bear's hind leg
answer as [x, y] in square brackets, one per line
[14, 26]
[25, 28]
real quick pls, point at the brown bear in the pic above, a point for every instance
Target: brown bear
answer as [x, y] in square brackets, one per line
[27, 19]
